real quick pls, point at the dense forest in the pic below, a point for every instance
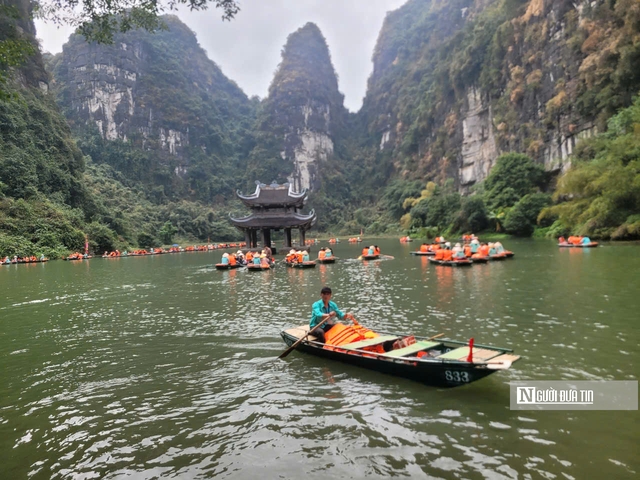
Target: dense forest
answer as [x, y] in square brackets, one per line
[516, 116]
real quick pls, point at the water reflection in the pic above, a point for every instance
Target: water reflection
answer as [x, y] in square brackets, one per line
[165, 367]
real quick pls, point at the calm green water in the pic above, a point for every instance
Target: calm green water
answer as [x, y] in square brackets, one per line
[163, 367]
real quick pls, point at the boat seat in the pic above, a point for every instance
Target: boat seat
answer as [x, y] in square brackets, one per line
[370, 342]
[461, 354]
[503, 358]
[300, 332]
[415, 348]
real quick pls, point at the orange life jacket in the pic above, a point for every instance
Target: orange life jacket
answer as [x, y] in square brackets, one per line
[447, 255]
[439, 254]
[365, 251]
[321, 254]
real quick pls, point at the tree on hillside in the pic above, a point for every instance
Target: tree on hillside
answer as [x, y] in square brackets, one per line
[98, 21]
[513, 176]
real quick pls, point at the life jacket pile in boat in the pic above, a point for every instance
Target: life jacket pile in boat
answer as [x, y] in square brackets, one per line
[370, 251]
[575, 240]
[325, 253]
[29, 259]
[297, 256]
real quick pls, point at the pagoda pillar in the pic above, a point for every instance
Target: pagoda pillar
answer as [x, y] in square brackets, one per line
[302, 239]
[247, 237]
[266, 237]
[287, 237]
[254, 238]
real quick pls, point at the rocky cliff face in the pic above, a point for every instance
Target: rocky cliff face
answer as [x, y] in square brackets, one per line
[457, 83]
[303, 112]
[159, 91]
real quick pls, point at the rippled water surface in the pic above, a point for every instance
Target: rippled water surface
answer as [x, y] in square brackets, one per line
[163, 367]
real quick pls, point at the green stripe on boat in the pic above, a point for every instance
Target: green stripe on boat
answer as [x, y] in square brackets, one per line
[416, 347]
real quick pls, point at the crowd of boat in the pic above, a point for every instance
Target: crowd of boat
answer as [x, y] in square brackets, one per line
[467, 251]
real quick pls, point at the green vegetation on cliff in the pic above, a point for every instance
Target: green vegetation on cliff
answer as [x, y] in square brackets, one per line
[600, 195]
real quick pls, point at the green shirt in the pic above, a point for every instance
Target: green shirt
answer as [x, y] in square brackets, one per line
[318, 310]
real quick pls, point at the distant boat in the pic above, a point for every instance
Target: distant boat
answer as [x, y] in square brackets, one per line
[580, 245]
[309, 264]
[228, 266]
[465, 262]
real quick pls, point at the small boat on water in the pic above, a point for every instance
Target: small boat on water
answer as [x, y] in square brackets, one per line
[252, 267]
[580, 245]
[370, 257]
[422, 254]
[309, 264]
[465, 262]
[325, 261]
[69, 259]
[441, 363]
[479, 259]
[228, 266]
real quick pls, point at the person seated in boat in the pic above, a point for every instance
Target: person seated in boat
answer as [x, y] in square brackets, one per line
[321, 254]
[562, 240]
[365, 251]
[325, 308]
[225, 259]
[256, 259]
[576, 240]
[358, 239]
[232, 259]
[371, 251]
[457, 252]
[492, 250]
[267, 251]
[240, 258]
[447, 254]
[249, 257]
[424, 248]
[475, 245]
[328, 253]
[467, 250]
[484, 250]
[586, 240]
[305, 256]
[439, 254]
[264, 260]
[499, 248]
[376, 250]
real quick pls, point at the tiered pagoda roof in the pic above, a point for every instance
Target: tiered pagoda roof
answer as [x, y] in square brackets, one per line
[274, 206]
[273, 196]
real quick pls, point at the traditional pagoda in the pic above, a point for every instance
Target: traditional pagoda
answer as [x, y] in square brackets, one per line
[274, 207]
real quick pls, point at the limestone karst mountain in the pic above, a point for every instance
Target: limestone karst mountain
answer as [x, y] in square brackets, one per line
[161, 95]
[303, 117]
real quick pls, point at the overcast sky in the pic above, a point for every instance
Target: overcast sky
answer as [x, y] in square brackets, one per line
[248, 48]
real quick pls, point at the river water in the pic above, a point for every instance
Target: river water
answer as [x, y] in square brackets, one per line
[162, 367]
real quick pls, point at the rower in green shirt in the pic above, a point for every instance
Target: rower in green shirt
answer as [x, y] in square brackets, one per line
[325, 308]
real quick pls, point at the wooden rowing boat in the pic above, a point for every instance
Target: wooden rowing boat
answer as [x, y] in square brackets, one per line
[252, 267]
[580, 245]
[441, 363]
[479, 259]
[452, 263]
[325, 261]
[370, 257]
[227, 266]
[309, 264]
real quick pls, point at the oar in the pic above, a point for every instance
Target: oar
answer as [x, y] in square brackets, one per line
[292, 347]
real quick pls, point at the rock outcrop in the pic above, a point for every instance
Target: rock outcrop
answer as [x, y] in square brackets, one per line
[158, 91]
[303, 112]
